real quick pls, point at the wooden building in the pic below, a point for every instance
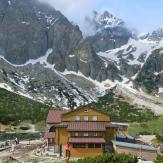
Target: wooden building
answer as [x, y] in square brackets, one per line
[88, 131]
[144, 152]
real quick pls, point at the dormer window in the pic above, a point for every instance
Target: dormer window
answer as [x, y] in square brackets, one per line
[85, 118]
[77, 118]
[94, 118]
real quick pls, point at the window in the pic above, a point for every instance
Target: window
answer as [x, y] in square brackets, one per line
[85, 134]
[94, 118]
[95, 134]
[97, 145]
[79, 145]
[77, 118]
[76, 134]
[85, 118]
[90, 145]
[94, 145]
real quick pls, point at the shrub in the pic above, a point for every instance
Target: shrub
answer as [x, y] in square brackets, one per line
[159, 159]
[109, 158]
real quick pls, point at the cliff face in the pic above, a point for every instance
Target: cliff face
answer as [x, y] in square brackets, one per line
[29, 28]
[151, 74]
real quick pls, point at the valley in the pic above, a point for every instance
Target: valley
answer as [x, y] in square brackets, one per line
[47, 62]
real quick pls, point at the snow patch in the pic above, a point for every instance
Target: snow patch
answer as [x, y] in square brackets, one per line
[160, 90]
[157, 73]
[71, 56]
[9, 2]
[101, 87]
[83, 61]
[24, 22]
[134, 47]
[5, 86]
[42, 60]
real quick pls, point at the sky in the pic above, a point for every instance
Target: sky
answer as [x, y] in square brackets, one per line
[143, 15]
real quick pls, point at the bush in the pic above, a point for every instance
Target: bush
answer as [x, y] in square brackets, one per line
[159, 159]
[15, 109]
[109, 158]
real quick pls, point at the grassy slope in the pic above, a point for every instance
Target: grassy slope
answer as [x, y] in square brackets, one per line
[15, 108]
[122, 111]
[154, 126]
[142, 121]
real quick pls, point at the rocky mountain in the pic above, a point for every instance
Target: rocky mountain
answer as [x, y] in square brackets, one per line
[156, 35]
[151, 74]
[29, 28]
[38, 45]
[110, 32]
[45, 57]
[104, 20]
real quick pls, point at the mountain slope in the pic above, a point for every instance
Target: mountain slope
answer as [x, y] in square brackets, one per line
[45, 57]
[15, 108]
[121, 110]
[151, 75]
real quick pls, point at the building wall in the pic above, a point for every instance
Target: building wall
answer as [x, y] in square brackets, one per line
[81, 112]
[147, 155]
[61, 136]
[86, 152]
[90, 134]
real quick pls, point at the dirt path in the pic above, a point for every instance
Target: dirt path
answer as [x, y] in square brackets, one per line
[26, 153]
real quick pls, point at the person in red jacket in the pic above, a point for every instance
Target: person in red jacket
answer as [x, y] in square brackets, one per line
[67, 149]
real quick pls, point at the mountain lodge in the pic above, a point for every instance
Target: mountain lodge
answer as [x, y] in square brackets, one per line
[88, 131]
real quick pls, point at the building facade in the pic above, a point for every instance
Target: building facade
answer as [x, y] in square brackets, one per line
[88, 131]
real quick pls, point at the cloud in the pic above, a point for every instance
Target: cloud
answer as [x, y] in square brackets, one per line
[76, 10]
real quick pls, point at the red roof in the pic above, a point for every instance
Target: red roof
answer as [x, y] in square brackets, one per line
[55, 116]
[87, 140]
[49, 135]
[86, 126]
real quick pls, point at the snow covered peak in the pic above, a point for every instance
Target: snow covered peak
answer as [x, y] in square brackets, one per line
[157, 35]
[106, 19]
[160, 30]
[143, 36]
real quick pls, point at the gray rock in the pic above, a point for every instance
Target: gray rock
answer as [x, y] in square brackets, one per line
[29, 28]
[150, 76]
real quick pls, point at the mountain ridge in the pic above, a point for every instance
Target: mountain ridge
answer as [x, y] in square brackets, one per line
[44, 56]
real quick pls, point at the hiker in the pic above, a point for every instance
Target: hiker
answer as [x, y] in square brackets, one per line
[6, 143]
[16, 141]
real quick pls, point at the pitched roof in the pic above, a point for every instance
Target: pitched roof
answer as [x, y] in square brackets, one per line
[87, 140]
[86, 126]
[55, 116]
[117, 125]
[87, 107]
[135, 146]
